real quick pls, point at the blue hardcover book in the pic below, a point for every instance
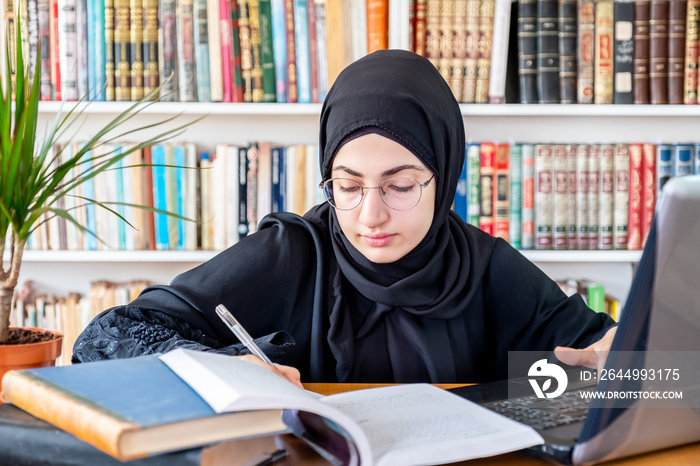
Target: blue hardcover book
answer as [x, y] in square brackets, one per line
[664, 167]
[696, 159]
[96, 49]
[276, 161]
[160, 200]
[119, 176]
[516, 195]
[130, 408]
[460, 202]
[179, 163]
[201, 51]
[683, 159]
[301, 41]
[89, 193]
[279, 48]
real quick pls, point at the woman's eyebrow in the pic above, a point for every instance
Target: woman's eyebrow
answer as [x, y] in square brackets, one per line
[389, 172]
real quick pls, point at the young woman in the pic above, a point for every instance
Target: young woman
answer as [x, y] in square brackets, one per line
[383, 283]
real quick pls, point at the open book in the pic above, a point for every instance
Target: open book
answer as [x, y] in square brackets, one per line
[401, 425]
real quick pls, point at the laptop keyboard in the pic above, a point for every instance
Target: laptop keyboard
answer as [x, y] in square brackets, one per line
[542, 414]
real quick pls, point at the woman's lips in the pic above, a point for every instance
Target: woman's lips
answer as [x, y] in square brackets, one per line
[378, 240]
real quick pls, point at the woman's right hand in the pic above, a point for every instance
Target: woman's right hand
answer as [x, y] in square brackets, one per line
[288, 372]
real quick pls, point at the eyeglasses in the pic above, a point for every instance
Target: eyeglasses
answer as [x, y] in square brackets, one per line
[399, 193]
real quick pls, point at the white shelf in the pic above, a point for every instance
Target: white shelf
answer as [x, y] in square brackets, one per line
[574, 110]
[202, 256]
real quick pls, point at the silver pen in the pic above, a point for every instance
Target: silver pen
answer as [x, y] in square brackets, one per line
[242, 334]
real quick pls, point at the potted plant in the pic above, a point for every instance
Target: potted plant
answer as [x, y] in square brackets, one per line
[32, 179]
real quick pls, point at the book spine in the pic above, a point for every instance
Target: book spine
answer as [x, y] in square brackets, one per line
[567, 50]
[151, 75]
[185, 51]
[459, 205]
[528, 209]
[676, 50]
[683, 159]
[136, 51]
[279, 48]
[624, 53]
[652, 183]
[572, 227]
[658, 51]
[486, 188]
[419, 27]
[560, 197]
[696, 158]
[501, 202]
[167, 36]
[544, 195]
[603, 79]
[472, 52]
[585, 51]
[68, 42]
[226, 40]
[483, 63]
[236, 51]
[160, 197]
[43, 13]
[634, 216]
[582, 151]
[641, 51]
[82, 41]
[593, 194]
[232, 194]
[446, 40]
[252, 184]
[292, 84]
[267, 58]
[178, 172]
[246, 50]
[257, 72]
[548, 51]
[301, 39]
[473, 183]
[516, 195]
[459, 48]
[201, 51]
[322, 48]
[243, 226]
[276, 161]
[606, 196]
[692, 52]
[171, 197]
[621, 198]
[32, 20]
[377, 25]
[55, 54]
[122, 51]
[110, 86]
[499, 52]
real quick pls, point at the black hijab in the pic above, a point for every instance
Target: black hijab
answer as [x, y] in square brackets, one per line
[396, 317]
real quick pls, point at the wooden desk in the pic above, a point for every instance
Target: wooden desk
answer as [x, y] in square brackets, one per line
[301, 454]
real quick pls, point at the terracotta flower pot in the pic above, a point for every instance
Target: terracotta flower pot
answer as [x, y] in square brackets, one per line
[30, 355]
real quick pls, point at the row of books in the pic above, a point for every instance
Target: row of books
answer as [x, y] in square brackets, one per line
[563, 51]
[214, 199]
[569, 196]
[69, 314]
[593, 294]
[208, 50]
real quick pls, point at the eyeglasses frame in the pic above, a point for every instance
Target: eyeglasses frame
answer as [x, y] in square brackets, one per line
[422, 186]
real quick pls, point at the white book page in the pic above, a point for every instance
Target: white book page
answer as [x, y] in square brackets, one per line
[422, 424]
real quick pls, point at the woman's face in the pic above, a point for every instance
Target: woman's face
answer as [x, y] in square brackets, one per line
[380, 233]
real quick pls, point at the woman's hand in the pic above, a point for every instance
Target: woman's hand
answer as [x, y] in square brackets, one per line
[288, 372]
[593, 356]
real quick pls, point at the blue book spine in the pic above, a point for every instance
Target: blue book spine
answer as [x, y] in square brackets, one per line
[119, 175]
[279, 48]
[283, 180]
[696, 159]
[89, 193]
[160, 197]
[201, 51]
[180, 187]
[460, 203]
[683, 159]
[664, 167]
[473, 161]
[276, 157]
[96, 49]
[516, 195]
[301, 41]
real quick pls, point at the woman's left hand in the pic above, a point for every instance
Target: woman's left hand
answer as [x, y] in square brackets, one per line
[593, 356]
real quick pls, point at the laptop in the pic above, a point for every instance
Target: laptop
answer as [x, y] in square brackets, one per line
[659, 330]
